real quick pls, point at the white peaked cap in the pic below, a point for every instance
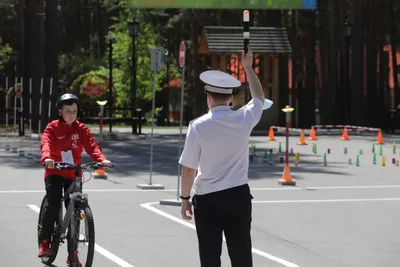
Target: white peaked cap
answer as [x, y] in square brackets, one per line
[219, 82]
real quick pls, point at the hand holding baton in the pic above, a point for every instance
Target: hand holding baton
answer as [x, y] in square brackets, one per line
[246, 30]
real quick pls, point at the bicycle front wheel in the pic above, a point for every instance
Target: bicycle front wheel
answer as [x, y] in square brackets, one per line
[82, 244]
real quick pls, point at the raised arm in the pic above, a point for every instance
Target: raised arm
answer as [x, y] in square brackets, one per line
[256, 89]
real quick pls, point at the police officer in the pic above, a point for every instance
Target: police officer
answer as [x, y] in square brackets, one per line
[215, 163]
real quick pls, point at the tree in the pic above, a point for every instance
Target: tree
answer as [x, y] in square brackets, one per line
[5, 53]
[122, 49]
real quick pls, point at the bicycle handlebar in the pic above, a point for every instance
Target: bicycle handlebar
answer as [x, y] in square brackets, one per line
[94, 165]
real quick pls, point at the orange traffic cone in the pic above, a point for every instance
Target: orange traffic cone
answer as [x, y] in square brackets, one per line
[271, 136]
[313, 135]
[100, 174]
[379, 139]
[302, 140]
[345, 135]
[287, 177]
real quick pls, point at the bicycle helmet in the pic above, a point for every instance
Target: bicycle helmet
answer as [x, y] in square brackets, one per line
[67, 99]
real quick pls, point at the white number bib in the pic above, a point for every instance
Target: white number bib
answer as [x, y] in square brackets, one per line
[67, 157]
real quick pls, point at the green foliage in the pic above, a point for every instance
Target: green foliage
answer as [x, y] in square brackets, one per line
[146, 40]
[75, 64]
[84, 70]
[147, 116]
[5, 53]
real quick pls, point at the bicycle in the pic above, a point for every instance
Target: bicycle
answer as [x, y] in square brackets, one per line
[78, 208]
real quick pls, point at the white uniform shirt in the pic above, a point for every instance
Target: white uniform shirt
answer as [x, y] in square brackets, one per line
[217, 145]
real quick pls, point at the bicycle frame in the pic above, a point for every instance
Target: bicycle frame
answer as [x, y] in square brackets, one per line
[76, 199]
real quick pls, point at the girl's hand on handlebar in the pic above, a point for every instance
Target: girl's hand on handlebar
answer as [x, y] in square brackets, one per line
[49, 163]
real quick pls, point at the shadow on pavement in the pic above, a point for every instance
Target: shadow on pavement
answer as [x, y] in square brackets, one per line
[132, 158]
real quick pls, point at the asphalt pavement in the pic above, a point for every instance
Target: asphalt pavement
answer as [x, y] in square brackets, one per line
[337, 215]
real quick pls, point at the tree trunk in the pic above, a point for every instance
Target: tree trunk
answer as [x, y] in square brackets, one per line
[283, 92]
[310, 92]
[34, 55]
[357, 72]
[51, 58]
[100, 33]
[393, 43]
[374, 107]
[198, 102]
[295, 67]
[324, 52]
[330, 100]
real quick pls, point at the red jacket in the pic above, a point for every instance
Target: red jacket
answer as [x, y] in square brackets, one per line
[59, 136]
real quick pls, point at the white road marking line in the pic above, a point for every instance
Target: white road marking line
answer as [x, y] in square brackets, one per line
[192, 226]
[88, 190]
[324, 200]
[97, 248]
[353, 187]
[34, 208]
[252, 189]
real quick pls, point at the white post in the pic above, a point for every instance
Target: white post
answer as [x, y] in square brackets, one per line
[21, 118]
[14, 149]
[30, 107]
[22, 105]
[51, 90]
[40, 107]
[29, 155]
[6, 98]
[101, 114]
[156, 64]
[152, 126]
[180, 131]
[6, 113]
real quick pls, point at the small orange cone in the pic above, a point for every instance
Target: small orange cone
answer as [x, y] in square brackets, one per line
[345, 135]
[287, 177]
[313, 135]
[271, 136]
[100, 174]
[379, 139]
[302, 140]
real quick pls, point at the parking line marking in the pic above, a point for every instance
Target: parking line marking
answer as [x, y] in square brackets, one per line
[192, 226]
[97, 248]
[353, 187]
[324, 200]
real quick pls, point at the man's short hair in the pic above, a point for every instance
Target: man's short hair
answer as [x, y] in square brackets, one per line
[220, 97]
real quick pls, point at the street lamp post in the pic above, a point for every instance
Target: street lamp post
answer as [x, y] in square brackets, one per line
[133, 27]
[111, 40]
[287, 177]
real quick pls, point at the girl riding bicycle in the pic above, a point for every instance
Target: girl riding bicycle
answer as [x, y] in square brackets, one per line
[63, 140]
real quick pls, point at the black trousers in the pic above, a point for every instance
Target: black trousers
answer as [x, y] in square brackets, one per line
[54, 185]
[227, 211]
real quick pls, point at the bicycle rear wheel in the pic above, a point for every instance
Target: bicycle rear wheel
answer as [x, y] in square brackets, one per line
[84, 236]
[55, 238]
